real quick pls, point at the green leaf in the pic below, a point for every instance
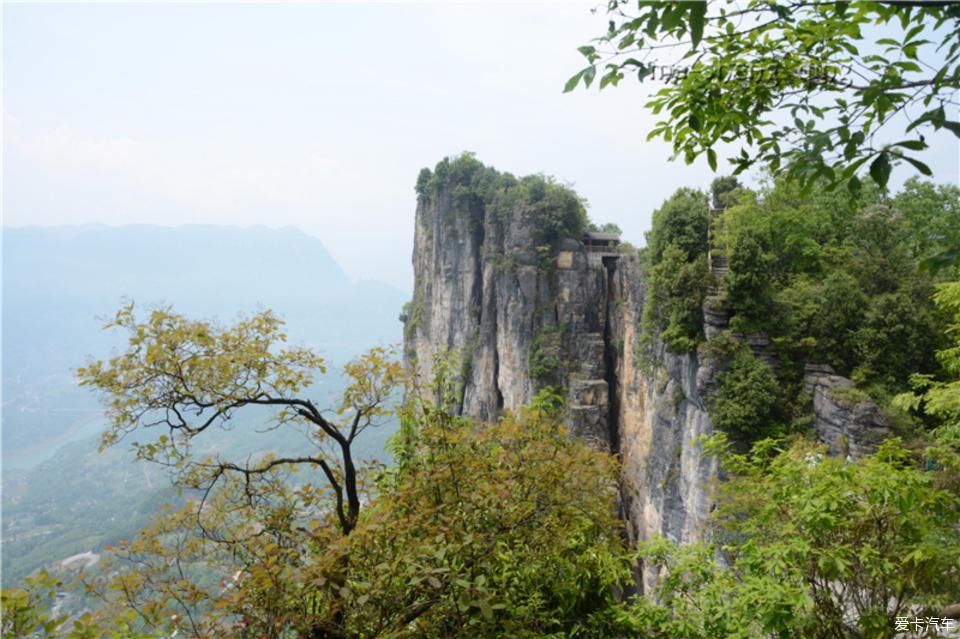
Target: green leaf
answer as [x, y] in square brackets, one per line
[573, 81]
[853, 185]
[880, 169]
[694, 122]
[954, 127]
[485, 608]
[920, 166]
[913, 145]
[712, 159]
[672, 17]
[697, 12]
[588, 75]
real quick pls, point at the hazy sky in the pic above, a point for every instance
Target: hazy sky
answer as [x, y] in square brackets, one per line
[318, 116]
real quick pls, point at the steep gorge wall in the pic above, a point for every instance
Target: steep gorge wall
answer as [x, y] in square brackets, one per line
[483, 288]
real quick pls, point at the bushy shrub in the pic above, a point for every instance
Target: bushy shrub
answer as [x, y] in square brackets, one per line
[745, 404]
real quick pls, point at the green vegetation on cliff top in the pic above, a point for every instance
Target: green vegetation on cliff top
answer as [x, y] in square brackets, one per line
[555, 210]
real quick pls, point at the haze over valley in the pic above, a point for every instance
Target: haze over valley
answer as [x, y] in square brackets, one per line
[61, 284]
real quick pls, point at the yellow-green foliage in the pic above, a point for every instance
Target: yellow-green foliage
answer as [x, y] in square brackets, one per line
[481, 530]
[941, 398]
[492, 530]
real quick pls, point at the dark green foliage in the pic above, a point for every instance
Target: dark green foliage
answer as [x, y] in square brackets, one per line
[683, 221]
[749, 286]
[675, 294]
[556, 210]
[423, 180]
[839, 281]
[821, 316]
[722, 191]
[933, 215]
[896, 337]
[679, 275]
[746, 401]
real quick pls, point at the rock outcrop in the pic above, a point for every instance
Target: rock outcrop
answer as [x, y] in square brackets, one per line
[520, 319]
[845, 419]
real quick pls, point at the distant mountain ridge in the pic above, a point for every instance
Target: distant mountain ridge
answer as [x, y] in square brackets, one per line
[57, 282]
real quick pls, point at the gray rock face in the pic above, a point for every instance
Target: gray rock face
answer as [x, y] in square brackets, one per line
[659, 415]
[847, 421]
[481, 287]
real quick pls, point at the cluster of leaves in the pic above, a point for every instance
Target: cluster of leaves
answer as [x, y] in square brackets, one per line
[554, 210]
[808, 545]
[803, 87]
[678, 272]
[500, 530]
[189, 378]
[940, 398]
[31, 611]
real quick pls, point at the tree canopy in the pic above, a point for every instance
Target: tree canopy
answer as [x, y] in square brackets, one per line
[820, 91]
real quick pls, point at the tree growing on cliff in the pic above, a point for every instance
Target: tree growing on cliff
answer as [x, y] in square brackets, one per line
[746, 402]
[677, 255]
[555, 210]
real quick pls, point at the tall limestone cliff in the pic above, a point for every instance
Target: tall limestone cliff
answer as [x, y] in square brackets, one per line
[503, 277]
[525, 310]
